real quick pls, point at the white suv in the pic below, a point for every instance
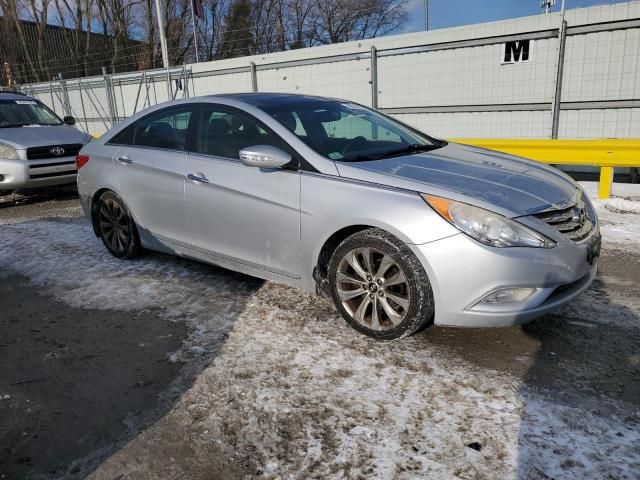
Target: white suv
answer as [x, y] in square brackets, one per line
[37, 148]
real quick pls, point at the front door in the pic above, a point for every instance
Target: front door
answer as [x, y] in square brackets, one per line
[241, 213]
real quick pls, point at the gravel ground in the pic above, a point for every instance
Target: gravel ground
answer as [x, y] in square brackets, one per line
[41, 203]
[164, 368]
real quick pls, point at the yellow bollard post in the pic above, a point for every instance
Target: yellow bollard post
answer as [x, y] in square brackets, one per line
[606, 180]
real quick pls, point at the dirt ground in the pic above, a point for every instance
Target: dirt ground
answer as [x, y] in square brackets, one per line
[79, 384]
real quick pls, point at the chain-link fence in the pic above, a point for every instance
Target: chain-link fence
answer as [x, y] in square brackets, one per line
[534, 77]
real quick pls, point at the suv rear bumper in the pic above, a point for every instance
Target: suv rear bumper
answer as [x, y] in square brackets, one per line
[17, 174]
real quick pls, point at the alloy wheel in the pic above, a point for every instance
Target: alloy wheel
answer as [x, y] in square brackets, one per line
[114, 225]
[373, 288]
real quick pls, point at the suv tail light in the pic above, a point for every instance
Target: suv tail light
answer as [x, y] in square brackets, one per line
[81, 161]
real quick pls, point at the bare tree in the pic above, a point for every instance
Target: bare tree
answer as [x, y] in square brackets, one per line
[298, 20]
[117, 18]
[38, 13]
[345, 20]
[123, 34]
[14, 40]
[76, 15]
[237, 36]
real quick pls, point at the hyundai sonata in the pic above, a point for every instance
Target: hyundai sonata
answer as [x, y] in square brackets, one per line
[401, 229]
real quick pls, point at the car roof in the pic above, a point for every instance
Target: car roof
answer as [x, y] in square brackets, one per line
[14, 96]
[272, 99]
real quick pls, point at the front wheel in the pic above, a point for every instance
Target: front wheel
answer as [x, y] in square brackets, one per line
[379, 286]
[116, 227]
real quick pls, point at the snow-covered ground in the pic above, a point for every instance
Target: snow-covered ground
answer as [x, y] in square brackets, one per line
[304, 396]
[619, 215]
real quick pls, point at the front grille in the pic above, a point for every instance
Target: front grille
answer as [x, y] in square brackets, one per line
[54, 164]
[53, 151]
[51, 175]
[573, 222]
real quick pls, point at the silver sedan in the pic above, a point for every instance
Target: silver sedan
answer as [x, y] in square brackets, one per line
[401, 229]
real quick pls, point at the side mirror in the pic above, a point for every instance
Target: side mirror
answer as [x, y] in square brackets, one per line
[69, 120]
[264, 156]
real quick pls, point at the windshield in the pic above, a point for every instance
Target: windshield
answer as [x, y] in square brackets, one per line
[349, 132]
[21, 113]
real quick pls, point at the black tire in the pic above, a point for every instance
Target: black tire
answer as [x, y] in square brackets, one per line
[416, 288]
[116, 227]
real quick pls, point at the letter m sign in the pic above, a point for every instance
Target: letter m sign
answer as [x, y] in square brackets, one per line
[517, 51]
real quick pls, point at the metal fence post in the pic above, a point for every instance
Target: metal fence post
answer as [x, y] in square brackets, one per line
[84, 111]
[66, 105]
[557, 95]
[109, 95]
[185, 82]
[374, 77]
[169, 87]
[53, 105]
[254, 77]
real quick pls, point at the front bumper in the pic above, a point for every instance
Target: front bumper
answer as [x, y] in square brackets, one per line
[17, 174]
[462, 271]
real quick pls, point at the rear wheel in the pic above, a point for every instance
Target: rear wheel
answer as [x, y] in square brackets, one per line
[116, 227]
[379, 286]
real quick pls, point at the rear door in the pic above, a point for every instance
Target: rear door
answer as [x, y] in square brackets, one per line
[150, 170]
[246, 214]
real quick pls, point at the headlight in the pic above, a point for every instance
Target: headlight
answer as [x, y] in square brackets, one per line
[487, 227]
[8, 153]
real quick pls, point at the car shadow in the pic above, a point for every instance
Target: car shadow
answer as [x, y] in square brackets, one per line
[77, 384]
[587, 371]
[583, 359]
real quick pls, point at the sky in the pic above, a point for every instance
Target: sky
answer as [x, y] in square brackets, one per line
[451, 13]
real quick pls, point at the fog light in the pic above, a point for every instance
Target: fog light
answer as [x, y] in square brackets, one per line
[507, 295]
[1, 178]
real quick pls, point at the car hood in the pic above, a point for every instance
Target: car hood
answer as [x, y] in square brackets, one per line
[503, 183]
[25, 137]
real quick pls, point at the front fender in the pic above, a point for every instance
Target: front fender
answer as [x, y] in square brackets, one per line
[330, 204]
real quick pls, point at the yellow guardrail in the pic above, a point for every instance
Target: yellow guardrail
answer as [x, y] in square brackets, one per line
[606, 154]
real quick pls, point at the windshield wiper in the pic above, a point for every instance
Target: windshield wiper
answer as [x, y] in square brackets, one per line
[413, 148]
[30, 124]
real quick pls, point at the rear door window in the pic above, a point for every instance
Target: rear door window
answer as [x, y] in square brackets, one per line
[224, 132]
[166, 129]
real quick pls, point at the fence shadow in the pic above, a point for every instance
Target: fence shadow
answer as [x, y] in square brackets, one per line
[77, 384]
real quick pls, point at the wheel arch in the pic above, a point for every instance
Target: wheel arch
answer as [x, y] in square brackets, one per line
[325, 251]
[94, 207]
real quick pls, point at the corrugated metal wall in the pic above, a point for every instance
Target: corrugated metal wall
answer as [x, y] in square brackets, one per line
[449, 82]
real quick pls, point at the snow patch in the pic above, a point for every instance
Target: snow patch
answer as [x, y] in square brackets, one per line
[619, 215]
[312, 398]
[309, 397]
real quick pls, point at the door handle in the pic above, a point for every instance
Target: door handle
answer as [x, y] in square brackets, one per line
[124, 159]
[196, 178]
